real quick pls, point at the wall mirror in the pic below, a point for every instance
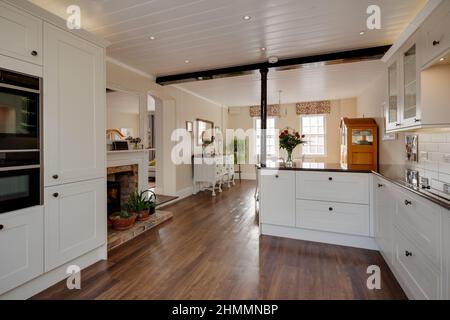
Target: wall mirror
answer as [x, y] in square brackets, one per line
[205, 131]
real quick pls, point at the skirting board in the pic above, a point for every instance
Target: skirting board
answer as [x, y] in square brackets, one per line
[319, 236]
[51, 278]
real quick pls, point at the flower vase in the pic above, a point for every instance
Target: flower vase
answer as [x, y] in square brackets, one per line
[289, 162]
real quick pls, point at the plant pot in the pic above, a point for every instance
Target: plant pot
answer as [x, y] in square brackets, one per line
[142, 215]
[123, 224]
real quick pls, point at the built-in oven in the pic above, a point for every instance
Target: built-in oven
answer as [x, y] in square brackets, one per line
[20, 141]
[19, 188]
[19, 111]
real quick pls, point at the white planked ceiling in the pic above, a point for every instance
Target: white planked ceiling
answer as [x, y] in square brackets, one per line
[306, 84]
[212, 33]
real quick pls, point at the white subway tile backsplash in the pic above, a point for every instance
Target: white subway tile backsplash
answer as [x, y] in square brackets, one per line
[444, 147]
[434, 151]
[439, 137]
[428, 146]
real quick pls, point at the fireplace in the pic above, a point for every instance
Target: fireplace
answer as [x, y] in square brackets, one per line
[122, 181]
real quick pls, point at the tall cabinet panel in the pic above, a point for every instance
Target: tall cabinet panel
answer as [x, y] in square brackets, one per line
[74, 115]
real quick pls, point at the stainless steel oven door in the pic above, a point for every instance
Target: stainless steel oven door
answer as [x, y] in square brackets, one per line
[19, 188]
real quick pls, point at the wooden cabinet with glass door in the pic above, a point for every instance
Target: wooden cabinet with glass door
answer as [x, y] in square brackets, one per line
[359, 146]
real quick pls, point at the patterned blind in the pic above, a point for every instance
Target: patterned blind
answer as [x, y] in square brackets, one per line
[272, 111]
[314, 107]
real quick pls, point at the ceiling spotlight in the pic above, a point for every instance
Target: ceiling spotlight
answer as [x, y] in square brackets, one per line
[246, 18]
[273, 59]
[362, 33]
[186, 61]
[263, 49]
[152, 38]
[442, 59]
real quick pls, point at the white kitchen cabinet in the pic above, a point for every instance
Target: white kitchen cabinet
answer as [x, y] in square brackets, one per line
[20, 35]
[435, 34]
[277, 198]
[420, 220]
[421, 278]
[333, 186]
[336, 217]
[446, 253]
[74, 112]
[403, 98]
[21, 247]
[75, 220]
[384, 208]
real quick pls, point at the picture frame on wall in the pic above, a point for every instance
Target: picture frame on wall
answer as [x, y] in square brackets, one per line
[189, 126]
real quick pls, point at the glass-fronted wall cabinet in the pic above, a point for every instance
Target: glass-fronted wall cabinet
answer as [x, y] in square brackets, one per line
[410, 87]
[402, 109]
[393, 97]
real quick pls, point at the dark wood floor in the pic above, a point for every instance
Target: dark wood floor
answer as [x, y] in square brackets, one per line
[212, 250]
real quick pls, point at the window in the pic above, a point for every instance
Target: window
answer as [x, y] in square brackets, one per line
[271, 137]
[313, 127]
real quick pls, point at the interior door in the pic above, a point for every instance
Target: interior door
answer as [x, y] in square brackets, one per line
[74, 112]
[75, 220]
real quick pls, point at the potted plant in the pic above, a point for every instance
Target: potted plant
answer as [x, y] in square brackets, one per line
[138, 204]
[122, 220]
[289, 140]
[151, 202]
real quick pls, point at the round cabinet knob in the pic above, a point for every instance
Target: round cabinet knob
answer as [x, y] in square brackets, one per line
[55, 176]
[56, 195]
[330, 209]
[277, 176]
[330, 179]
[436, 43]
[34, 53]
[1, 227]
[380, 185]
[408, 203]
[408, 254]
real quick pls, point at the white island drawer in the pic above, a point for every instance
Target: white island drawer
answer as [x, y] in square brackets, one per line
[333, 186]
[333, 217]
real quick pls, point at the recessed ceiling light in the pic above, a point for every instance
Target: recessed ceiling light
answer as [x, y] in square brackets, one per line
[263, 49]
[152, 38]
[362, 33]
[246, 18]
[442, 59]
[186, 61]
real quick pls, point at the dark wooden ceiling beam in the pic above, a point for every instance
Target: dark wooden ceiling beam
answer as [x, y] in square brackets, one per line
[373, 53]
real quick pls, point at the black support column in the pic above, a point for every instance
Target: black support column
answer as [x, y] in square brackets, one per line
[264, 72]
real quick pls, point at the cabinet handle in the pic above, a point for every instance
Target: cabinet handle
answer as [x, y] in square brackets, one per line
[417, 120]
[34, 53]
[330, 179]
[277, 176]
[56, 195]
[407, 253]
[1, 227]
[330, 209]
[55, 176]
[436, 43]
[380, 185]
[398, 124]
[408, 203]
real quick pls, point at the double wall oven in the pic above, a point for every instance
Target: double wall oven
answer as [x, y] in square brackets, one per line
[20, 141]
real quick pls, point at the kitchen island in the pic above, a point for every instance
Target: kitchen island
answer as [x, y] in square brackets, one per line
[318, 202]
